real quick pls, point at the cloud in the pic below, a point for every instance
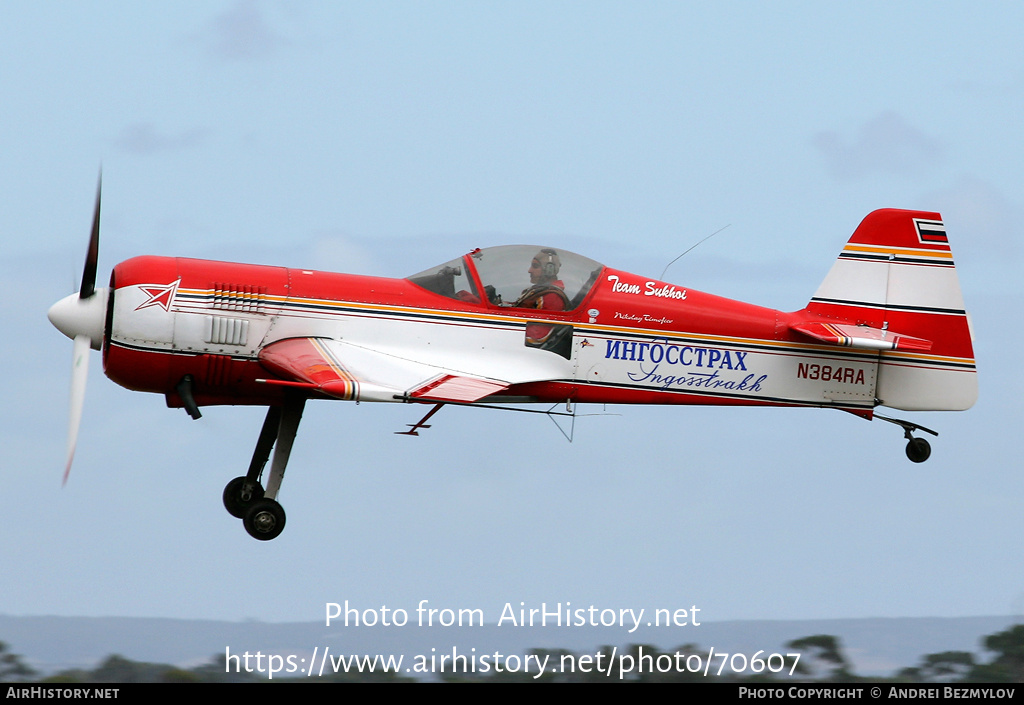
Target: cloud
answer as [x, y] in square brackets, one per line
[241, 34]
[143, 138]
[885, 144]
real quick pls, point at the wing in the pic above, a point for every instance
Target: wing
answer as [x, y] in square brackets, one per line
[352, 372]
[863, 337]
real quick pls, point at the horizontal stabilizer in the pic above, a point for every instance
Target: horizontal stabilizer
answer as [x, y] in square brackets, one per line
[459, 389]
[862, 337]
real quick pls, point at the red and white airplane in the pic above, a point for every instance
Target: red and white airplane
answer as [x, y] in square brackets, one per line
[887, 327]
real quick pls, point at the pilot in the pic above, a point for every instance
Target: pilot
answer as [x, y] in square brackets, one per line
[546, 292]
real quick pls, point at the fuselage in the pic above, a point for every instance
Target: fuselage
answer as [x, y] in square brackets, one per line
[627, 339]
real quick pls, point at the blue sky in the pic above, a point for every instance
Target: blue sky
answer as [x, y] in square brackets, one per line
[387, 137]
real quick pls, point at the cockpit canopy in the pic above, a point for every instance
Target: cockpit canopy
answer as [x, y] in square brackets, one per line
[504, 273]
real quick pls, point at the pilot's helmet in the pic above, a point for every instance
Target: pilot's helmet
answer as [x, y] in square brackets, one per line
[549, 262]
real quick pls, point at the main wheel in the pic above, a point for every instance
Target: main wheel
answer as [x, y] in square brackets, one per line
[236, 504]
[918, 450]
[264, 520]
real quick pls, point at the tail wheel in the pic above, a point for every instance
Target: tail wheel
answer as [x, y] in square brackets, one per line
[918, 450]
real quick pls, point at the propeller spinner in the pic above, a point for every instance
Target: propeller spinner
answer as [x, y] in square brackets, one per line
[81, 317]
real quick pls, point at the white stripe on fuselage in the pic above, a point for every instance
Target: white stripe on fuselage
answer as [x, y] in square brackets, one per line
[492, 345]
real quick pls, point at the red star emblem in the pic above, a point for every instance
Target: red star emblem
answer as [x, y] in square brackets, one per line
[161, 295]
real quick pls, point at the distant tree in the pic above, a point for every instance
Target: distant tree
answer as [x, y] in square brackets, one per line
[12, 668]
[590, 673]
[948, 666]
[118, 669]
[553, 659]
[824, 652]
[685, 669]
[219, 670]
[649, 664]
[1008, 665]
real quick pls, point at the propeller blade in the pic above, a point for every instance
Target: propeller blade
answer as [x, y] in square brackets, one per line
[91, 257]
[79, 373]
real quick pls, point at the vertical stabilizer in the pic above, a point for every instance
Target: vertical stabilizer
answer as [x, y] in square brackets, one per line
[897, 274]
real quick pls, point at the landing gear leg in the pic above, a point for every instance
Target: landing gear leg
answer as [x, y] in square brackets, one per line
[289, 426]
[265, 518]
[245, 497]
[918, 449]
[241, 492]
